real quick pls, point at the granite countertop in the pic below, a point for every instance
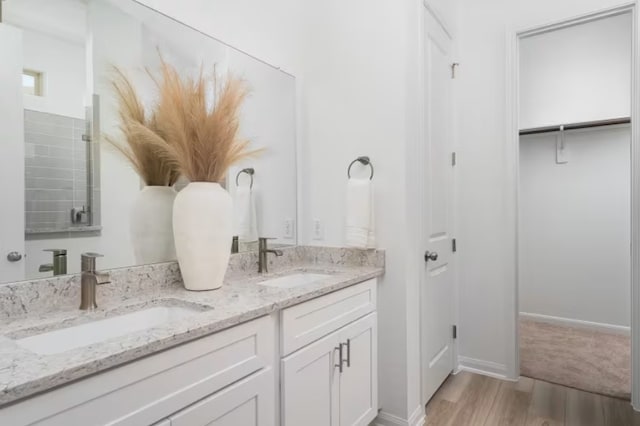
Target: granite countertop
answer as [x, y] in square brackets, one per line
[24, 373]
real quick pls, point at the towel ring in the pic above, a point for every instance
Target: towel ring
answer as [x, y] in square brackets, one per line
[250, 171]
[365, 161]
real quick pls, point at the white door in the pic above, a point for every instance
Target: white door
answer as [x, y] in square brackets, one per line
[249, 402]
[310, 384]
[12, 263]
[359, 377]
[437, 213]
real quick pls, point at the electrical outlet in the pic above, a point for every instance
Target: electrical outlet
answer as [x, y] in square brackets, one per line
[288, 228]
[318, 230]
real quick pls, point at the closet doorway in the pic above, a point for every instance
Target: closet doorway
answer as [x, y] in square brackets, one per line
[574, 204]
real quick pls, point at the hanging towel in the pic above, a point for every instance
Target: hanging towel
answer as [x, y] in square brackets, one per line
[245, 212]
[360, 231]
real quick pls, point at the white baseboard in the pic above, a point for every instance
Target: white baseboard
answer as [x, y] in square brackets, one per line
[486, 368]
[588, 325]
[386, 419]
[417, 418]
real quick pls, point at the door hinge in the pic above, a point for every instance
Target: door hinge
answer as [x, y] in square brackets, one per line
[454, 245]
[454, 331]
[453, 69]
[453, 159]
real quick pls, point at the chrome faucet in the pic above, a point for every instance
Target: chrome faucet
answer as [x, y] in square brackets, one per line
[59, 264]
[263, 251]
[90, 279]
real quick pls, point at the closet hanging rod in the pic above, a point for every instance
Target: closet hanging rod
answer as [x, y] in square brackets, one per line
[576, 126]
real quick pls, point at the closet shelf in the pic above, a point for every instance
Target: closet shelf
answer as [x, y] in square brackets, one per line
[576, 126]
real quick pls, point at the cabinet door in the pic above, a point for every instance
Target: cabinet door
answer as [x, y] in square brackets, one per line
[310, 381]
[249, 402]
[359, 378]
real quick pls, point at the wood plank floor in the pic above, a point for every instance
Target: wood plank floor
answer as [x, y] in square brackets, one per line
[468, 399]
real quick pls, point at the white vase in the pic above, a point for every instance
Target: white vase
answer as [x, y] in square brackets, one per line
[152, 225]
[203, 230]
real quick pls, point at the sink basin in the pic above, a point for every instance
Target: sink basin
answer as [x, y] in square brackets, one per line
[65, 339]
[294, 280]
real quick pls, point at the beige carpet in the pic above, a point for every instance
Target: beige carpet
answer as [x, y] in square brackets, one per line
[593, 361]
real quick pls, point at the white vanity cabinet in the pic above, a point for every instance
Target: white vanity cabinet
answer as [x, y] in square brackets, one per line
[333, 380]
[206, 381]
[314, 363]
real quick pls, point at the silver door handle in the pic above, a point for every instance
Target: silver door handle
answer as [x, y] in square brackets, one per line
[428, 255]
[14, 256]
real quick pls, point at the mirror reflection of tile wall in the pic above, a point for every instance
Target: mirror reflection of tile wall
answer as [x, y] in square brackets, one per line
[55, 171]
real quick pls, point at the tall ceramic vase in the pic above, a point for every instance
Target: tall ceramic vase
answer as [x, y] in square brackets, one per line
[152, 225]
[203, 230]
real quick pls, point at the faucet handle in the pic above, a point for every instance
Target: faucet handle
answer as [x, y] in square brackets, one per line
[103, 278]
[88, 261]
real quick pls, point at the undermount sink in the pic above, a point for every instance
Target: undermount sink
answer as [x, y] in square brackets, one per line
[294, 280]
[62, 340]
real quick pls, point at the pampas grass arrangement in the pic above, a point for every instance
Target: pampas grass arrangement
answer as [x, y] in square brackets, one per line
[188, 133]
[141, 134]
[199, 140]
[182, 133]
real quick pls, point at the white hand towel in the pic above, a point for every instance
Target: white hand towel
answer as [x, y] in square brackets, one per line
[245, 212]
[360, 231]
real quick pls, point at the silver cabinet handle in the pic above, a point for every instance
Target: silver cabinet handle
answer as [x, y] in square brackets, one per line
[14, 256]
[339, 364]
[348, 352]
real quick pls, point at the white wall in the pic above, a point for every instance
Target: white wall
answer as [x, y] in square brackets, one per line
[354, 104]
[580, 73]
[63, 66]
[574, 217]
[486, 182]
[575, 226]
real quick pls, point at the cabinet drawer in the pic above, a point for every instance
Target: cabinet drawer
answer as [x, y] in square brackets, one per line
[149, 390]
[309, 321]
[249, 402]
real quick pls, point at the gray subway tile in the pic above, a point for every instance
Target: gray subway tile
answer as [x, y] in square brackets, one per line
[43, 183]
[56, 152]
[49, 194]
[49, 129]
[49, 173]
[47, 140]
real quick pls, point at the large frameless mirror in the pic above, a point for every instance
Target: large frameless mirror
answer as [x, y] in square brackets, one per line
[65, 190]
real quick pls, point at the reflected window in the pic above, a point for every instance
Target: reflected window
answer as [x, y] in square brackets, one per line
[32, 82]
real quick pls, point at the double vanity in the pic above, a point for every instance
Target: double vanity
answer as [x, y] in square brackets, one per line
[296, 346]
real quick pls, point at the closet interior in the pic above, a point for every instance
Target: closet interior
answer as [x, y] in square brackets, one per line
[574, 205]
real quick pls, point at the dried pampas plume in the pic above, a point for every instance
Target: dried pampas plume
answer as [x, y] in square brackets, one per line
[141, 135]
[200, 140]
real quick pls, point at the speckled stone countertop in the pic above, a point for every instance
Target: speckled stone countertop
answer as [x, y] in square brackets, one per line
[32, 307]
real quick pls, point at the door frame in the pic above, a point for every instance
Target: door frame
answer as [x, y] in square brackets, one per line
[512, 156]
[416, 181]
